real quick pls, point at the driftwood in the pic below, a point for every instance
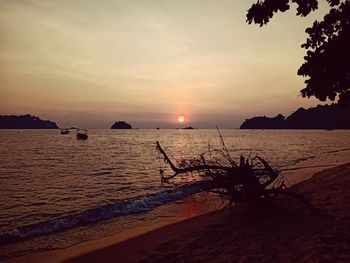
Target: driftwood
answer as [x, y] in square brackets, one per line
[251, 180]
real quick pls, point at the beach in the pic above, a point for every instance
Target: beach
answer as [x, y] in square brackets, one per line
[174, 131]
[285, 231]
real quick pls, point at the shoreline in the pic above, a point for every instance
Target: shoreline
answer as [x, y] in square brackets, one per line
[232, 235]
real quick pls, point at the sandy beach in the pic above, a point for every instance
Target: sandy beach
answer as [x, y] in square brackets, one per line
[285, 231]
[174, 131]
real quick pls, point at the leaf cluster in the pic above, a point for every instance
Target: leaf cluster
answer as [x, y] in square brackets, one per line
[326, 66]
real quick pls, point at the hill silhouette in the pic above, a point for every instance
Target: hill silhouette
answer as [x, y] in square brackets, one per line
[121, 125]
[321, 117]
[25, 122]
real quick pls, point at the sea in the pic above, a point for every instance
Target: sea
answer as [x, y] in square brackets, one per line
[57, 191]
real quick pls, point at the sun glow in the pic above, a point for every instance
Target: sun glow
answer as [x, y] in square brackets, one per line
[180, 119]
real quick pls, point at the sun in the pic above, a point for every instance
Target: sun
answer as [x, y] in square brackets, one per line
[180, 118]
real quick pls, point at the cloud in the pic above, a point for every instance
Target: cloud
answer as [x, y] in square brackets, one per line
[146, 59]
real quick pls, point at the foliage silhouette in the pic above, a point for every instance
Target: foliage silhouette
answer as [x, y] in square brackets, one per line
[326, 65]
[121, 125]
[327, 117]
[25, 122]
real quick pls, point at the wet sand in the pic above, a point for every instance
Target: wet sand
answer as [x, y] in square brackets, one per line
[284, 231]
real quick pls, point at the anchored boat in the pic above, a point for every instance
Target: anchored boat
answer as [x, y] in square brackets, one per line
[82, 134]
[65, 131]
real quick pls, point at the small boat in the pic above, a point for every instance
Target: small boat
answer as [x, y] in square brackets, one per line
[65, 131]
[81, 134]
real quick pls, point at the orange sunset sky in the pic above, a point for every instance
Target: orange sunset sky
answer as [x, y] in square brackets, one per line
[90, 63]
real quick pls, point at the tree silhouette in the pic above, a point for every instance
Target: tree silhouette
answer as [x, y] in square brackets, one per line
[327, 60]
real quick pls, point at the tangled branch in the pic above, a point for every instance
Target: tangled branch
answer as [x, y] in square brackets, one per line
[251, 180]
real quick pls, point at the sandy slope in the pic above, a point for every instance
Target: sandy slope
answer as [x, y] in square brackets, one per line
[283, 232]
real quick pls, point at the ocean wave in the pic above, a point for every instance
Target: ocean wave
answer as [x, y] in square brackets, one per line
[101, 173]
[104, 212]
[339, 150]
[296, 161]
[306, 167]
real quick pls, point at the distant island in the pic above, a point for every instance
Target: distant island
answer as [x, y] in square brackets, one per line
[121, 125]
[321, 117]
[25, 122]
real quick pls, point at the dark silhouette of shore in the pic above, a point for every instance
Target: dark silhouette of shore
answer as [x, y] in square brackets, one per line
[121, 125]
[25, 122]
[327, 117]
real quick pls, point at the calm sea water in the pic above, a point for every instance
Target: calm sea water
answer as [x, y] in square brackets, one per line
[52, 183]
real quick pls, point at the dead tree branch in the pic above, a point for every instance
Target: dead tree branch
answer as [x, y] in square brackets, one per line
[250, 181]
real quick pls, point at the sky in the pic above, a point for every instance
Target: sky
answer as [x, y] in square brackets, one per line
[90, 63]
